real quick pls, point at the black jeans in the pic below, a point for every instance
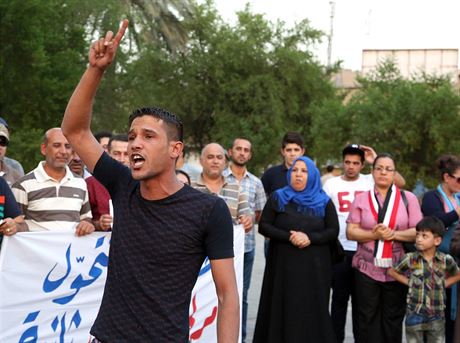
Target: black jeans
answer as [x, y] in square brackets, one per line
[381, 309]
[343, 287]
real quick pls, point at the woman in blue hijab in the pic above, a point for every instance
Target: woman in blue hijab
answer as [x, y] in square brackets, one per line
[301, 222]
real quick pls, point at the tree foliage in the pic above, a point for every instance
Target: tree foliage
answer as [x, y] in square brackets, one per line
[255, 79]
[43, 53]
[415, 119]
[41, 60]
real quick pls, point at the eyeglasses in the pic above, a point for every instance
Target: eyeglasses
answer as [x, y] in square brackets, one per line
[3, 141]
[387, 169]
[456, 178]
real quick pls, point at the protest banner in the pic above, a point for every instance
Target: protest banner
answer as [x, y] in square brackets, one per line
[203, 305]
[51, 286]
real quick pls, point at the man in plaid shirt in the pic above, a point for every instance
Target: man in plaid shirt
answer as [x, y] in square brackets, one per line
[240, 153]
[430, 272]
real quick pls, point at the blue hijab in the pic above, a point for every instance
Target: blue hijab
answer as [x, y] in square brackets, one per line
[312, 199]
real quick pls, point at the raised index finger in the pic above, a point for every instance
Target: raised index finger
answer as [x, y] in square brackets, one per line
[121, 31]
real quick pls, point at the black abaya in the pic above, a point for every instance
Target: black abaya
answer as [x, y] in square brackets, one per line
[294, 302]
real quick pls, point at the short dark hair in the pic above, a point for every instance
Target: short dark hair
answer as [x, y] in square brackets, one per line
[353, 150]
[102, 134]
[120, 138]
[173, 124]
[448, 164]
[329, 168]
[292, 138]
[431, 224]
[383, 155]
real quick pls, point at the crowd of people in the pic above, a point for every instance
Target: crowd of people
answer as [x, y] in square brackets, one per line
[353, 236]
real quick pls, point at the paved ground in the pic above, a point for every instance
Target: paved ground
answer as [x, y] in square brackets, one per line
[254, 293]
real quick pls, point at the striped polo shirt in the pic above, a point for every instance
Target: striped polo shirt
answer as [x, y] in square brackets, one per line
[51, 205]
[252, 186]
[236, 201]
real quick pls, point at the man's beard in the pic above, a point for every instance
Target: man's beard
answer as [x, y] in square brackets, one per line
[239, 164]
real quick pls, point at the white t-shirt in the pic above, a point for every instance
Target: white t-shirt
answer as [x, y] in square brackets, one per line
[343, 193]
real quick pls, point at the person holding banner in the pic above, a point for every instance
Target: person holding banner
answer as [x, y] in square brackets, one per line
[301, 222]
[380, 220]
[162, 229]
[51, 197]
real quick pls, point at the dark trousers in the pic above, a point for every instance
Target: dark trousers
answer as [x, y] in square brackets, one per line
[247, 272]
[343, 288]
[381, 309]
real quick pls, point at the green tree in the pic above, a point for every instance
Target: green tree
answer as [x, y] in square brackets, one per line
[43, 52]
[40, 62]
[155, 25]
[415, 119]
[255, 78]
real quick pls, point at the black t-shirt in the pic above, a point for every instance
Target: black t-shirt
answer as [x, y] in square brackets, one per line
[274, 178]
[8, 205]
[156, 251]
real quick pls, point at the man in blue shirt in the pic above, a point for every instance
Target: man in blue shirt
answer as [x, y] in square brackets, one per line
[240, 154]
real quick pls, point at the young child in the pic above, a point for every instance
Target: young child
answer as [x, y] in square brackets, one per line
[430, 272]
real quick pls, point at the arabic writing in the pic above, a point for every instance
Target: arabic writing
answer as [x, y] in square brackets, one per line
[64, 322]
[58, 325]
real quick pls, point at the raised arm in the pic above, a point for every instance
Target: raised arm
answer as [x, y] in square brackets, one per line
[370, 155]
[77, 118]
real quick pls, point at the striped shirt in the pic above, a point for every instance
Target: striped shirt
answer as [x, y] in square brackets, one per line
[51, 205]
[427, 282]
[236, 201]
[252, 186]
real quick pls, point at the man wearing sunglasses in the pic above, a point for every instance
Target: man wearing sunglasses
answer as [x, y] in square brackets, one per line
[11, 170]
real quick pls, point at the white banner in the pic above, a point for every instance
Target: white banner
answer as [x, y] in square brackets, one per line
[203, 306]
[51, 286]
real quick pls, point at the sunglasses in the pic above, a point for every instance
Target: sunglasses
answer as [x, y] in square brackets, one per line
[456, 178]
[3, 141]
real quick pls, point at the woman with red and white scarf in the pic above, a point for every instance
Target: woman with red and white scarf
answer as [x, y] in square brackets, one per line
[380, 221]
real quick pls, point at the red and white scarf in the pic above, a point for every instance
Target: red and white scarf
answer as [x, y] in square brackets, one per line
[383, 251]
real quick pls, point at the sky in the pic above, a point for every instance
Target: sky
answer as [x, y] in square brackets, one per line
[364, 24]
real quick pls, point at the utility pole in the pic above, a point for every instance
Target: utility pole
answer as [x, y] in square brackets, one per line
[331, 32]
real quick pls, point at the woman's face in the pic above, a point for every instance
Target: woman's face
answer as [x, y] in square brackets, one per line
[299, 176]
[452, 182]
[384, 172]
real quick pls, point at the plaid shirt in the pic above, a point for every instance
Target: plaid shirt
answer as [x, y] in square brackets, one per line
[236, 199]
[252, 186]
[427, 282]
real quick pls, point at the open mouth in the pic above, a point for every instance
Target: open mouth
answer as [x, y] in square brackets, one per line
[137, 160]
